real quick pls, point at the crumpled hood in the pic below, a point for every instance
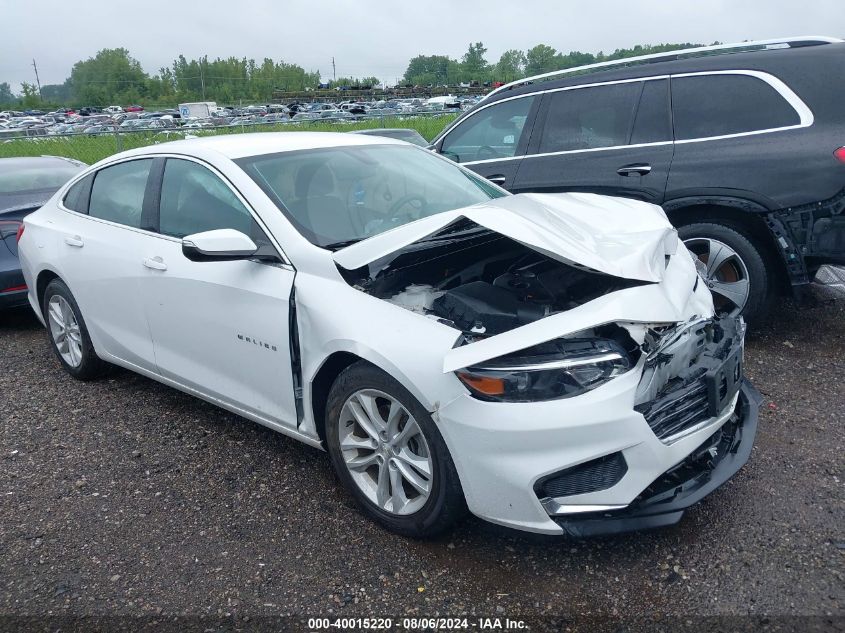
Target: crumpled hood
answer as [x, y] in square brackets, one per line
[616, 236]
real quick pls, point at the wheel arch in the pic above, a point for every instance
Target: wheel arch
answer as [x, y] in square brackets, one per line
[319, 384]
[322, 383]
[42, 281]
[744, 216]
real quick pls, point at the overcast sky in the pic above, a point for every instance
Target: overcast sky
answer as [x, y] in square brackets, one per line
[377, 37]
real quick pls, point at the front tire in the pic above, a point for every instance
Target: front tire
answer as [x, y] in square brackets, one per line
[737, 274]
[389, 454]
[68, 333]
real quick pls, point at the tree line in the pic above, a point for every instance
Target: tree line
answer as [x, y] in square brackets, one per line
[113, 76]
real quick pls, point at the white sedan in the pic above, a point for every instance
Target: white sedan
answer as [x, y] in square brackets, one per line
[551, 363]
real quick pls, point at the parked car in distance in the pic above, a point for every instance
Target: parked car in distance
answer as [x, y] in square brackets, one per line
[407, 135]
[743, 149]
[25, 184]
[551, 363]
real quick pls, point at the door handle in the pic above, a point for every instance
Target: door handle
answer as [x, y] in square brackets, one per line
[641, 169]
[498, 179]
[156, 263]
[74, 241]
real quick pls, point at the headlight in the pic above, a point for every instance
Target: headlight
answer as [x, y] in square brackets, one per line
[560, 369]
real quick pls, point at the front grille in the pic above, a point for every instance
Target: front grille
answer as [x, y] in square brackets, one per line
[597, 474]
[678, 410]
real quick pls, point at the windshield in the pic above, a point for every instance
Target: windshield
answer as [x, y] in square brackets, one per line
[340, 195]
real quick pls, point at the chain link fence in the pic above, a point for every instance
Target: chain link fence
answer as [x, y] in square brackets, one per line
[92, 147]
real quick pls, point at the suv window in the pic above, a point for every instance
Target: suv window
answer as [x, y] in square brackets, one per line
[715, 105]
[494, 132]
[118, 192]
[588, 118]
[653, 122]
[194, 199]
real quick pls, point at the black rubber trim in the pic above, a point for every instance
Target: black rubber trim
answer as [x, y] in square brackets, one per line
[660, 511]
[152, 196]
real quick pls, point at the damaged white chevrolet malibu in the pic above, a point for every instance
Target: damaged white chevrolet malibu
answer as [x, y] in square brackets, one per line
[552, 363]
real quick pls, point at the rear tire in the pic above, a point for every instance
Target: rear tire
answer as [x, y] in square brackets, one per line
[417, 514]
[741, 258]
[68, 333]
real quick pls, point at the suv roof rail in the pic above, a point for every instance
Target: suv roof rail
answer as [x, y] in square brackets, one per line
[776, 43]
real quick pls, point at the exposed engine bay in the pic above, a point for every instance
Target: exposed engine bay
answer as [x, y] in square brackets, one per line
[479, 281]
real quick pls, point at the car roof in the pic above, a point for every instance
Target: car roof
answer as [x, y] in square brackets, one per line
[235, 146]
[28, 162]
[791, 62]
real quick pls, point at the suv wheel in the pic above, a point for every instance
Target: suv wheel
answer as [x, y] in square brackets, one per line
[389, 454]
[68, 333]
[735, 268]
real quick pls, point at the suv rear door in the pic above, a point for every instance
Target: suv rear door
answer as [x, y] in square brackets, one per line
[492, 140]
[613, 139]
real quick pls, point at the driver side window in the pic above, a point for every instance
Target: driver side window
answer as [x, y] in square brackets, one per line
[493, 132]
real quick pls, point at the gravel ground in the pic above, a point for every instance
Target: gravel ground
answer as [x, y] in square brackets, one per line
[124, 498]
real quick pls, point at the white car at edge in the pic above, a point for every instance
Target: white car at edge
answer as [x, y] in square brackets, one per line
[550, 362]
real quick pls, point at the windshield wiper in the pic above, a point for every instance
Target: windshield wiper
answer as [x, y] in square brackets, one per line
[334, 246]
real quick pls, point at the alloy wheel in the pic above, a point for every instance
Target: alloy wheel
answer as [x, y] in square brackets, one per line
[385, 452]
[725, 273]
[64, 328]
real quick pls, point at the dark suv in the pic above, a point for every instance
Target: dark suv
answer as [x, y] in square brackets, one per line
[741, 145]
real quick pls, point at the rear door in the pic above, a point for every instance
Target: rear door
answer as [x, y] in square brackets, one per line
[100, 240]
[612, 139]
[493, 140]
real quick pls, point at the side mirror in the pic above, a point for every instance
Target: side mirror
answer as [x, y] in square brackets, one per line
[218, 245]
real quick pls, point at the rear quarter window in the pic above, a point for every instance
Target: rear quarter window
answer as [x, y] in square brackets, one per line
[76, 198]
[717, 105]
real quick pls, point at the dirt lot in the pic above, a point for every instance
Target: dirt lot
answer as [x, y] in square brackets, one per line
[126, 498]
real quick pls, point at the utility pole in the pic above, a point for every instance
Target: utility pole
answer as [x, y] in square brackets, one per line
[37, 80]
[202, 77]
[334, 71]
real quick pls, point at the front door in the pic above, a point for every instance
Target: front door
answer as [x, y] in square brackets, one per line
[220, 327]
[493, 140]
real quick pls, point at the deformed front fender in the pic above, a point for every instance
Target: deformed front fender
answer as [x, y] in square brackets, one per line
[408, 346]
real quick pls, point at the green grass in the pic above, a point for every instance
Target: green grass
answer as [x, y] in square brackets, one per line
[91, 148]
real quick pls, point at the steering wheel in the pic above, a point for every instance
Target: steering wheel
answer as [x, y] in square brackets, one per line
[404, 200]
[485, 151]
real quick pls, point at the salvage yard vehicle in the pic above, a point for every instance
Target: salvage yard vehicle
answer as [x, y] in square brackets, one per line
[407, 135]
[553, 363]
[741, 144]
[25, 184]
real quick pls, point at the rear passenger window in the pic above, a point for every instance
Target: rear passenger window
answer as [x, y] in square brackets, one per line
[653, 122]
[76, 198]
[588, 118]
[118, 192]
[494, 132]
[716, 105]
[194, 199]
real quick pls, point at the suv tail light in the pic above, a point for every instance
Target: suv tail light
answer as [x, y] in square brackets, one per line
[19, 234]
[840, 154]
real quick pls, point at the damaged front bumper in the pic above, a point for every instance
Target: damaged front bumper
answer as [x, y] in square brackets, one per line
[663, 503]
[569, 466]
